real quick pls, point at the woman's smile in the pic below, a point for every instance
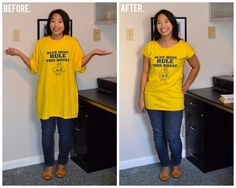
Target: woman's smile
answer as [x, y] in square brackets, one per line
[57, 26]
[164, 26]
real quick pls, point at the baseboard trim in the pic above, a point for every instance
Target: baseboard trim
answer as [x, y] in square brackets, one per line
[22, 162]
[8, 165]
[138, 162]
[141, 161]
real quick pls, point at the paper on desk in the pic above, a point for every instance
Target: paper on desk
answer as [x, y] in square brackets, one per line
[228, 97]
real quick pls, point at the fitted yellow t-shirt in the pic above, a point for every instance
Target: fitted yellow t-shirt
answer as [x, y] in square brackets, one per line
[163, 90]
[56, 63]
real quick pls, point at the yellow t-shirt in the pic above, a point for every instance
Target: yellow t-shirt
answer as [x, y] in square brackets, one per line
[163, 90]
[56, 63]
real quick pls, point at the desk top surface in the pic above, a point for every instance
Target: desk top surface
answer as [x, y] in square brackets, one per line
[212, 95]
[105, 99]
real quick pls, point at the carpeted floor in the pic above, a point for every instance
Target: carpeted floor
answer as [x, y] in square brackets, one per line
[144, 175]
[31, 175]
[149, 175]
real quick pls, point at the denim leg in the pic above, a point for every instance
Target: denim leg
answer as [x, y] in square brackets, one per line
[48, 129]
[156, 118]
[173, 121]
[65, 139]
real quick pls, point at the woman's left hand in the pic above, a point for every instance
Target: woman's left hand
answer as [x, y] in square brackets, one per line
[101, 52]
[185, 88]
[92, 53]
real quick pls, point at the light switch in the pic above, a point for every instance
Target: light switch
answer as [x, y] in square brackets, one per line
[211, 32]
[129, 34]
[96, 34]
[16, 35]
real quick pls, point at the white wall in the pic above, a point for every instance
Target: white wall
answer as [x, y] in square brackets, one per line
[215, 55]
[21, 130]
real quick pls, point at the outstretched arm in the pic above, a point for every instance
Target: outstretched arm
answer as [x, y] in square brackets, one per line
[88, 56]
[16, 52]
[194, 63]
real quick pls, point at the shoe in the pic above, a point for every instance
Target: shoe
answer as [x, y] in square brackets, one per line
[61, 171]
[176, 172]
[47, 173]
[164, 174]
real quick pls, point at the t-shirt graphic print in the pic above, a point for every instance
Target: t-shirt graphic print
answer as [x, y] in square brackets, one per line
[163, 90]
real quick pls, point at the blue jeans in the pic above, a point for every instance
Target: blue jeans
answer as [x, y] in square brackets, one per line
[64, 127]
[166, 130]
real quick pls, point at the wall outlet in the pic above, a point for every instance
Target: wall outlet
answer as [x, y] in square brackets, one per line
[16, 35]
[97, 34]
[129, 34]
[211, 32]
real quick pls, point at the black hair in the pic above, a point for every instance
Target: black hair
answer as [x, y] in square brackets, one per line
[172, 20]
[65, 18]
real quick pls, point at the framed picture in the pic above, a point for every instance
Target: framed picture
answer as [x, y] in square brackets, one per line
[182, 25]
[42, 28]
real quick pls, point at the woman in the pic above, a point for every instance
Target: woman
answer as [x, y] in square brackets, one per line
[162, 91]
[56, 59]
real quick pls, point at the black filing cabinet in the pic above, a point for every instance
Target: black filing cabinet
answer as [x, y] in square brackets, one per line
[209, 130]
[94, 135]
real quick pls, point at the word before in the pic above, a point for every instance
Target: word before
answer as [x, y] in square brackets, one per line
[18, 8]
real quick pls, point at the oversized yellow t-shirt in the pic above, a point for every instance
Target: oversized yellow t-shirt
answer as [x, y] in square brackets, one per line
[56, 63]
[163, 90]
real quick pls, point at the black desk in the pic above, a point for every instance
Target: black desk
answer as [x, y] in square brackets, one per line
[209, 129]
[211, 96]
[100, 99]
[94, 143]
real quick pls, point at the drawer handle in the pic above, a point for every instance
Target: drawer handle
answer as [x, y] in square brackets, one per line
[77, 129]
[193, 128]
[194, 156]
[193, 104]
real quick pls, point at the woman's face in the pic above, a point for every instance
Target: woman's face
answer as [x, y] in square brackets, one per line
[164, 26]
[57, 25]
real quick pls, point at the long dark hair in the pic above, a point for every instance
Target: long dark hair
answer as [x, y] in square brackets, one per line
[65, 18]
[172, 20]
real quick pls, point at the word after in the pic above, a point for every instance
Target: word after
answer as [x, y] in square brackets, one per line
[131, 8]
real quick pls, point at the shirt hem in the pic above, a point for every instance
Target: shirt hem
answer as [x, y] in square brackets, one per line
[64, 117]
[165, 109]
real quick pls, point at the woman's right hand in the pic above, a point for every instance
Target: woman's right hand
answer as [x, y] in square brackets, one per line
[16, 52]
[142, 106]
[13, 51]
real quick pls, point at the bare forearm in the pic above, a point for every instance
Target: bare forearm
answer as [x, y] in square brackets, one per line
[16, 52]
[25, 59]
[143, 82]
[144, 77]
[192, 75]
[87, 58]
[194, 63]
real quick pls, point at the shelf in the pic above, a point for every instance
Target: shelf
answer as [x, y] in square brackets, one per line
[220, 11]
[105, 13]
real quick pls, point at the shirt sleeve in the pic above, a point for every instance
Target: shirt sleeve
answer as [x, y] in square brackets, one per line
[78, 57]
[190, 51]
[146, 50]
[34, 60]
